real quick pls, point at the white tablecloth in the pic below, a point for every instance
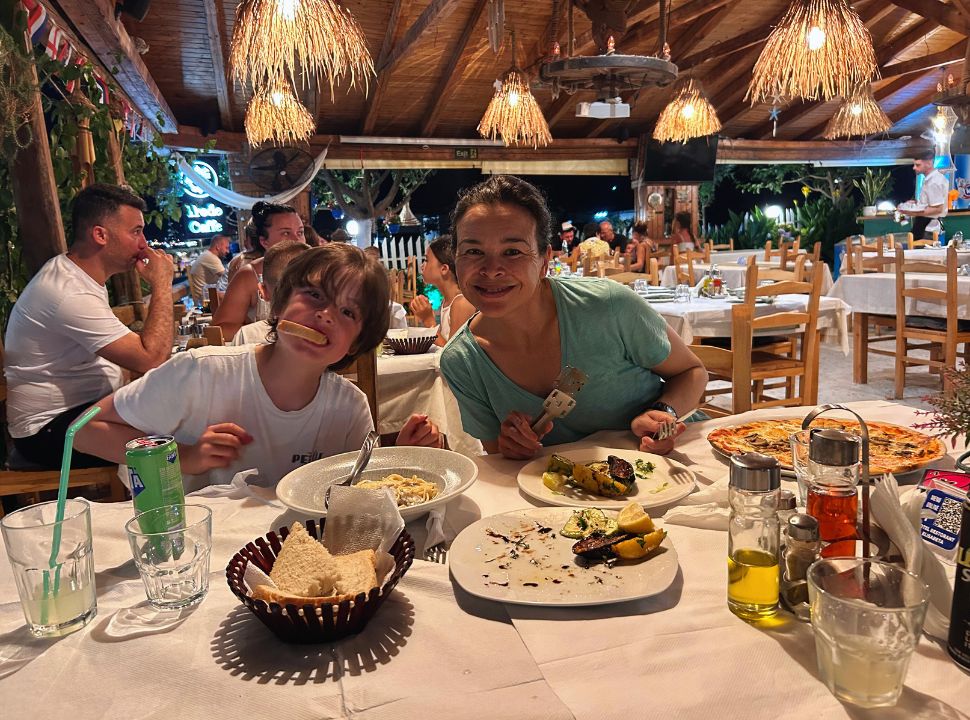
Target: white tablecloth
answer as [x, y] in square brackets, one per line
[923, 254]
[730, 257]
[435, 651]
[734, 275]
[709, 317]
[875, 293]
[409, 384]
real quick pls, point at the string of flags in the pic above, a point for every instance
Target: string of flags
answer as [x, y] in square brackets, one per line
[57, 46]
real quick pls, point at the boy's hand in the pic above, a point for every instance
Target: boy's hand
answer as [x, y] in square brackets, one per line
[219, 446]
[421, 307]
[420, 431]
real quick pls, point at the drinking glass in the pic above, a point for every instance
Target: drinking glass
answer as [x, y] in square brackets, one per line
[799, 461]
[640, 286]
[57, 593]
[173, 563]
[682, 293]
[867, 616]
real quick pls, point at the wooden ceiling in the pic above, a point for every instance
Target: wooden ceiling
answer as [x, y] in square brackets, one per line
[436, 68]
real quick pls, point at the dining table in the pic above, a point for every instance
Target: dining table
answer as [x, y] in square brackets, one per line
[920, 254]
[436, 650]
[729, 257]
[733, 274]
[875, 294]
[413, 383]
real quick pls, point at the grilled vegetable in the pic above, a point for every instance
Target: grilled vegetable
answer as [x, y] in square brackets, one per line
[596, 546]
[621, 470]
[583, 523]
[561, 465]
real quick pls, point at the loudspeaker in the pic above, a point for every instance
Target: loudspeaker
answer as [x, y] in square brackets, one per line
[137, 9]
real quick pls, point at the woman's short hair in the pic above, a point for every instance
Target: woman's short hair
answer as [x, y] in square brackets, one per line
[259, 223]
[328, 268]
[508, 190]
[443, 251]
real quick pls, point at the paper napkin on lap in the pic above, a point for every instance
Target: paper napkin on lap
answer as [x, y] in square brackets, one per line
[706, 509]
[244, 484]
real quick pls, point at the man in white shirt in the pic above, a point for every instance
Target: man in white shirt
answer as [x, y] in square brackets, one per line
[65, 349]
[933, 197]
[208, 267]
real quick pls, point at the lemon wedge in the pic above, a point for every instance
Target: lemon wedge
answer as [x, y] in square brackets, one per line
[640, 546]
[634, 519]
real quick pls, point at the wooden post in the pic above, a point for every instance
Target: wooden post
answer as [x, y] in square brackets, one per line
[127, 285]
[40, 229]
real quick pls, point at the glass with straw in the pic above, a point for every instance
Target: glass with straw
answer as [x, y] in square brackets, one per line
[50, 550]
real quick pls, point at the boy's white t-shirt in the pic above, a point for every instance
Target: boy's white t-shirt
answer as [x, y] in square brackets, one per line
[206, 386]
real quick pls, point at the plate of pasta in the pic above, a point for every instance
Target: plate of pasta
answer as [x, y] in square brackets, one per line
[419, 478]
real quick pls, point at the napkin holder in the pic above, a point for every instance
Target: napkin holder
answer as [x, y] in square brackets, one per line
[864, 481]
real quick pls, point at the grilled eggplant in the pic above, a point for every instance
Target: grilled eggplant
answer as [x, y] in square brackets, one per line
[621, 470]
[599, 546]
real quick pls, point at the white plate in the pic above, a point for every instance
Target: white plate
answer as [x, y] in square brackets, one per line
[480, 563]
[680, 481]
[303, 489]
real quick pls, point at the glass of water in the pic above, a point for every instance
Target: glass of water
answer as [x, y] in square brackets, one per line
[682, 293]
[640, 286]
[173, 563]
[868, 617]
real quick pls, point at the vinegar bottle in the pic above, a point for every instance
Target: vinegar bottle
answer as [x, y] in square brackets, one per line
[834, 466]
[753, 536]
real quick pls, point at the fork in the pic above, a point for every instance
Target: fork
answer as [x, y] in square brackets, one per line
[670, 426]
[437, 554]
[372, 440]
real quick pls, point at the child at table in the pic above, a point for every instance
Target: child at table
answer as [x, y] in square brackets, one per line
[274, 263]
[275, 406]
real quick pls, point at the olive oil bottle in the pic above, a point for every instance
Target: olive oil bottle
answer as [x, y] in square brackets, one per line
[753, 536]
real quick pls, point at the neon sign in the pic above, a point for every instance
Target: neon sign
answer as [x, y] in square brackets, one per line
[203, 218]
[205, 170]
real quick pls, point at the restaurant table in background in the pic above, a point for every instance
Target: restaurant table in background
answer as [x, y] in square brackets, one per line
[875, 294]
[711, 317]
[731, 257]
[922, 254]
[433, 650]
[733, 275]
[409, 384]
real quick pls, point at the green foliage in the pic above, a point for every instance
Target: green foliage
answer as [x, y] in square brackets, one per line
[821, 220]
[833, 183]
[873, 184]
[950, 416]
[366, 194]
[758, 229]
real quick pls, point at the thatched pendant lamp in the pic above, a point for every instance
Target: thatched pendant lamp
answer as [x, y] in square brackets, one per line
[297, 38]
[275, 115]
[514, 115]
[689, 115]
[859, 114]
[821, 49]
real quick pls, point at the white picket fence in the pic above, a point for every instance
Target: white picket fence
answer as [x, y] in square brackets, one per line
[396, 251]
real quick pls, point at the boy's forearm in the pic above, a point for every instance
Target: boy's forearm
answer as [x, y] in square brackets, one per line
[106, 439]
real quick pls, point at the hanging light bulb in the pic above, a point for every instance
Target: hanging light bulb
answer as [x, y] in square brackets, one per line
[276, 97]
[816, 38]
[514, 115]
[856, 109]
[688, 111]
[819, 50]
[859, 115]
[287, 8]
[513, 98]
[689, 115]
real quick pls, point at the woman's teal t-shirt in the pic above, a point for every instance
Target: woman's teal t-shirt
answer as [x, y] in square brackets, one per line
[605, 330]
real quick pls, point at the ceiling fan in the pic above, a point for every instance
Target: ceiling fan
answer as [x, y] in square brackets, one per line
[279, 169]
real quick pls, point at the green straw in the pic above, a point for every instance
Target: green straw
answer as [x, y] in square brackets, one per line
[61, 500]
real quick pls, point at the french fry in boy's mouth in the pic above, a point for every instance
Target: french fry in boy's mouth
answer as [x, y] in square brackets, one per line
[301, 331]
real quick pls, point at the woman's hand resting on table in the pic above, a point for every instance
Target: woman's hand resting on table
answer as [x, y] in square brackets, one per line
[219, 446]
[422, 310]
[420, 431]
[516, 439]
[648, 424]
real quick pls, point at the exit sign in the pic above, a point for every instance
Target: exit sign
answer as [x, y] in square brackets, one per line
[466, 153]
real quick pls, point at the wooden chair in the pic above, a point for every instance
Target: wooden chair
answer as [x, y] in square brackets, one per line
[900, 239]
[17, 477]
[410, 288]
[932, 242]
[396, 280]
[777, 274]
[213, 300]
[880, 263]
[870, 331]
[781, 253]
[363, 373]
[653, 270]
[684, 264]
[729, 245]
[748, 367]
[213, 335]
[939, 335]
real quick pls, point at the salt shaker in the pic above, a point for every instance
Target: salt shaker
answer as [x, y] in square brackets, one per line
[753, 536]
[834, 468]
[801, 550]
[786, 508]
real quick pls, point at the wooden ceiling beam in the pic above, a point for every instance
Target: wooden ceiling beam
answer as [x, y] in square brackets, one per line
[703, 26]
[584, 41]
[451, 75]
[874, 152]
[214, 26]
[436, 12]
[905, 40]
[946, 15]
[913, 105]
[952, 54]
[380, 84]
[964, 7]
[886, 26]
[101, 31]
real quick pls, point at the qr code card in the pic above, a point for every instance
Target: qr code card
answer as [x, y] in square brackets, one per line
[940, 521]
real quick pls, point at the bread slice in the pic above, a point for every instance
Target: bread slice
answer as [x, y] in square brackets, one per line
[306, 573]
[301, 331]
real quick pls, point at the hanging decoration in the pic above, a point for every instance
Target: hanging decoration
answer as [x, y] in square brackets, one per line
[820, 49]
[859, 114]
[275, 115]
[293, 39]
[689, 115]
[495, 24]
[513, 112]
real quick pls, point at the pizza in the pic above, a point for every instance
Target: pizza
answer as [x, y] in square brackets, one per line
[892, 448]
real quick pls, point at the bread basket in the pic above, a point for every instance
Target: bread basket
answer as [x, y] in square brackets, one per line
[310, 624]
[418, 341]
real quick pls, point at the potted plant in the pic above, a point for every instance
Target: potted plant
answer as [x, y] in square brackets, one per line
[872, 184]
[950, 416]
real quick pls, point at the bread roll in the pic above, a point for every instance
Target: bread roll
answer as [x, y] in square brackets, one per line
[302, 331]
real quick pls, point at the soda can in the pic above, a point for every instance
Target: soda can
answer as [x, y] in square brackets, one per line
[155, 478]
[958, 640]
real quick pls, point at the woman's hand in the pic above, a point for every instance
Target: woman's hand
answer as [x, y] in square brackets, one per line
[219, 446]
[648, 424]
[420, 431]
[421, 307]
[516, 439]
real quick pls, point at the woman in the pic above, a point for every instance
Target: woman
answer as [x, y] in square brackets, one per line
[438, 269]
[638, 249]
[269, 225]
[681, 232]
[504, 361]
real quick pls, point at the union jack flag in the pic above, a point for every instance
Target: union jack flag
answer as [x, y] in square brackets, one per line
[36, 18]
